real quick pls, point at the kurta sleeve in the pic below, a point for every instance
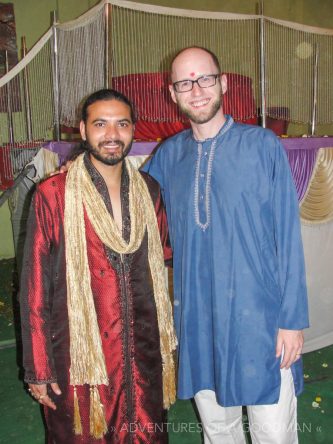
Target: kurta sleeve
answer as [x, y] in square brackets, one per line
[294, 306]
[154, 167]
[35, 295]
[163, 227]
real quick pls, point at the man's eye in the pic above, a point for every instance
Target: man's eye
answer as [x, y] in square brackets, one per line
[123, 124]
[185, 84]
[205, 79]
[99, 124]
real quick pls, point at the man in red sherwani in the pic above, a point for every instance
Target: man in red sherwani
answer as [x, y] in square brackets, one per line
[96, 318]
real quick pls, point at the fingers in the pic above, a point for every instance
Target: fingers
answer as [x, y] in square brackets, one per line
[279, 347]
[47, 401]
[39, 392]
[65, 167]
[292, 344]
[298, 355]
[288, 359]
[55, 388]
[62, 169]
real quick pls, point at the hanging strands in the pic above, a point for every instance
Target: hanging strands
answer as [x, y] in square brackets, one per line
[141, 57]
[87, 358]
[30, 86]
[81, 54]
[29, 93]
[141, 43]
[290, 75]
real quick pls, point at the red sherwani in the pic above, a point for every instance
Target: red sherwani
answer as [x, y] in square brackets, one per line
[126, 314]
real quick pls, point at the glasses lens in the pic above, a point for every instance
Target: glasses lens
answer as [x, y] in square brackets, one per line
[203, 82]
[183, 86]
[207, 81]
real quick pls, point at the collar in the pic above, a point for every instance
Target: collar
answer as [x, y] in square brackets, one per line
[224, 128]
[97, 177]
[101, 187]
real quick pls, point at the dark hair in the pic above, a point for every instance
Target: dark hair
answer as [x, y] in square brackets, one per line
[106, 94]
[213, 56]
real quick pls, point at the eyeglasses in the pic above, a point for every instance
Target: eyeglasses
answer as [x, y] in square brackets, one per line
[203, 81]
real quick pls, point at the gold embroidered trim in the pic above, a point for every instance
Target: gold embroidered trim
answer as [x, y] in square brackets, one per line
[87, 358]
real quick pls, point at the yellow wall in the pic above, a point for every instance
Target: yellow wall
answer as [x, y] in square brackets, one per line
[308, 12]
[33, 18]
[6, 234]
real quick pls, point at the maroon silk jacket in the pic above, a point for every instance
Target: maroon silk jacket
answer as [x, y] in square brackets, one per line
[126, 314]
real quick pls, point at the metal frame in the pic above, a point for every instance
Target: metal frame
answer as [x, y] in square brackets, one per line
[56, 90]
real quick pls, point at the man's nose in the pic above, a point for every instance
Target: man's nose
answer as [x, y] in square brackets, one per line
[111, 131]
[196, 90]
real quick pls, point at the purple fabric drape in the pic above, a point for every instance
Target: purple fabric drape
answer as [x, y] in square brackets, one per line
[61, 148]
[301, 164]
[301, 152]
[307, 143]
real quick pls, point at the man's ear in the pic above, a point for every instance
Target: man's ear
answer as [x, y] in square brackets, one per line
[224, 83]
[83, 130]
[172, 93]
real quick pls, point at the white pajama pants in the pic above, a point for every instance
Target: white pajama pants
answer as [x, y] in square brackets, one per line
[269, 424]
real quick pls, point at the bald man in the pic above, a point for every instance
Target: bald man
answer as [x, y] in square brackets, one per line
[239, 279]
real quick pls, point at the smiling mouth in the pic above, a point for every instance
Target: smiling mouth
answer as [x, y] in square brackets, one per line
[199, 103]
[111, 145]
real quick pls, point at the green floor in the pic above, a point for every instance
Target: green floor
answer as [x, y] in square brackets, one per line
[21, 421]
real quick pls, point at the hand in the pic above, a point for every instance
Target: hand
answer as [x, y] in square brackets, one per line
[63, 168]
[291, 342]
[39, 392]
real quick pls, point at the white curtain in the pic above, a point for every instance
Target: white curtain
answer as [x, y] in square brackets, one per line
[318, 250]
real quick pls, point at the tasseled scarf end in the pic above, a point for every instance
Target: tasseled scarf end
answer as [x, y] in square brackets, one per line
[169, 384]
[98, 426]
[77, 417]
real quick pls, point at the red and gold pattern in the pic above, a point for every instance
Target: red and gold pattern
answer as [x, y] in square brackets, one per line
[126, 314]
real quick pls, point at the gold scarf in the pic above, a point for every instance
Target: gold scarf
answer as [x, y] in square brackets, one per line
[87, 358]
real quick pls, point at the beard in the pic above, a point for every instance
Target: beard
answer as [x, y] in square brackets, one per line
[201, 116]
[108, 159]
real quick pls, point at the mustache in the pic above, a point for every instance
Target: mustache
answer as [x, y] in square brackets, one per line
[111, 141]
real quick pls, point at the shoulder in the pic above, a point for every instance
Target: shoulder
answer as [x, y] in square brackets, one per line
[257, 139]
[57, 181]
[254, 132]
[175, 141]
[52, 188]
[165, 156]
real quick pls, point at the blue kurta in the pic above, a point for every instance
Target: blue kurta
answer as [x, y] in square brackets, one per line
[238, 260]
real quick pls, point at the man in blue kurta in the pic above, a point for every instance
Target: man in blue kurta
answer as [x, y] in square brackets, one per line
[240, 299]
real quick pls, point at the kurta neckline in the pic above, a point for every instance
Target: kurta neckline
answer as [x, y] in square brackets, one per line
[224, 128]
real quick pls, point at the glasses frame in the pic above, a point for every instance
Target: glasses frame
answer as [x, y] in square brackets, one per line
[197, 81]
